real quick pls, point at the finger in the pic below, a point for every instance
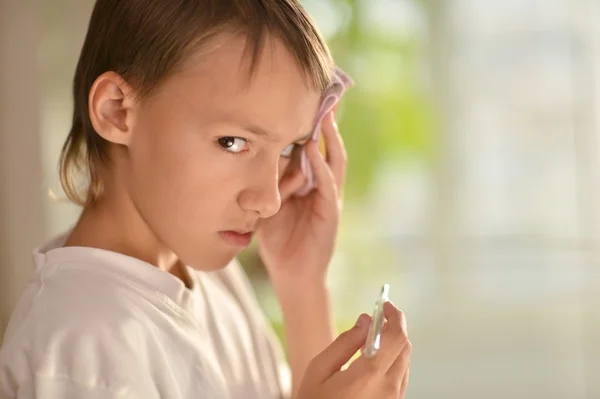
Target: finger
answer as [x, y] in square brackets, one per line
[404, 325]
[341, 350]
[401, 364]
[393, 341]
[290, 184]
[405, 382]
[384, 327]
[395, 316]
[325, 181]
[395, 377]
[336, 152]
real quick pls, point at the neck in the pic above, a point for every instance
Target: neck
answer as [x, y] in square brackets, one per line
[115, 225]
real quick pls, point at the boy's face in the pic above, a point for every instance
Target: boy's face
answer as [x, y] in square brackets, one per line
[209, 148]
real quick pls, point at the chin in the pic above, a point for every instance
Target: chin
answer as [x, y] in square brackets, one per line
[211, 263]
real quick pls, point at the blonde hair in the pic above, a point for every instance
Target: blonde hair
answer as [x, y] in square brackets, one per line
[145, 40]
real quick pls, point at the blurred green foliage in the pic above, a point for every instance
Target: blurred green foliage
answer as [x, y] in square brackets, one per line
[388, 113]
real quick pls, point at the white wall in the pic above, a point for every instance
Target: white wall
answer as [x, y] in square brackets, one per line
[22, 222]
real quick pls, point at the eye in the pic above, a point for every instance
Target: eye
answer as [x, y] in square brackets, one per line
[233, 144]
[289, 150]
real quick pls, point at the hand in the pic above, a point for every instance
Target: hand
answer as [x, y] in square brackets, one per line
[297, 243]
[383, 376]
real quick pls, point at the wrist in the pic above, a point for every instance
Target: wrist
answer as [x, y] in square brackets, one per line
[296, 278]
[308, 318]
[311, 305]
[292, 289]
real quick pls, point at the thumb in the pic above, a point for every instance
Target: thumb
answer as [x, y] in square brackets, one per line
[341, 350]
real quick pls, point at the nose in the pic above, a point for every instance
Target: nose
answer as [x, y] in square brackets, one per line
[262, 194]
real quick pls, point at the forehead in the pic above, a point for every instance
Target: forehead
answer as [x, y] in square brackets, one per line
[216, 80]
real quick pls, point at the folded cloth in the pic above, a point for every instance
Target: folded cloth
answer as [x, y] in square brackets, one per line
[340, 83]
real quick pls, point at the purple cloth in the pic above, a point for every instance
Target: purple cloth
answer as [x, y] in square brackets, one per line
[331, 96]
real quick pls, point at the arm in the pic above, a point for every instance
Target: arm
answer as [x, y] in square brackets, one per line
[309, 325]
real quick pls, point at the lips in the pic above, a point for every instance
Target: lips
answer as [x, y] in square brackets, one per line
[238, 238]
[242, 232]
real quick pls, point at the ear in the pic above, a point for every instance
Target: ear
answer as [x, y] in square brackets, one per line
[110, 104]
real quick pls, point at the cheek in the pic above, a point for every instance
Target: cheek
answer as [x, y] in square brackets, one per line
[187, 176]
[180, 166]
[160, 163]
[184, 200]
[163, 147]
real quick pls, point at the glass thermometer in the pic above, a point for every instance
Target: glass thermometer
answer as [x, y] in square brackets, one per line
[374, 335]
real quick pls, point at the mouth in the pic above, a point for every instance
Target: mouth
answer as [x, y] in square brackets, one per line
[238, 238]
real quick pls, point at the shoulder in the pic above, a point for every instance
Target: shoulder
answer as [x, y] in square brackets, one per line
[75, 301]
[78, 327]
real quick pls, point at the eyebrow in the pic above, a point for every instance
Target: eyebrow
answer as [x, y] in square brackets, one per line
[258, 131]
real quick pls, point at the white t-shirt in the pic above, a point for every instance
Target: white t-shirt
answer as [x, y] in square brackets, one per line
[98, 324]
